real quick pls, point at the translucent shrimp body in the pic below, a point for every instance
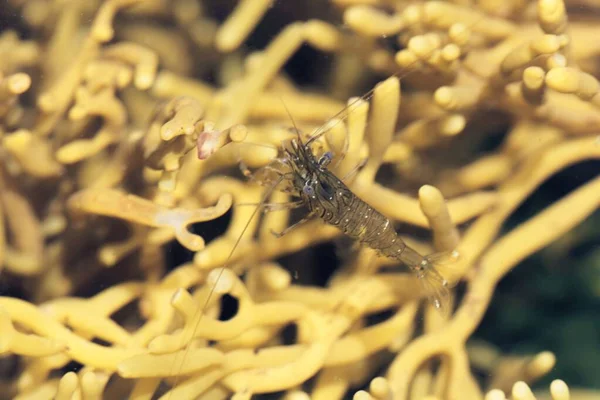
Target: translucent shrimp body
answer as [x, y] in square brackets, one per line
[328, 198]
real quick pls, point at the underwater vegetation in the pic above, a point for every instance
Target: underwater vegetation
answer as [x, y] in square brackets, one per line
[137, 252]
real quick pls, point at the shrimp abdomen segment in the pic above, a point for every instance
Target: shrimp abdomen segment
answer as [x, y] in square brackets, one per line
[355, 218]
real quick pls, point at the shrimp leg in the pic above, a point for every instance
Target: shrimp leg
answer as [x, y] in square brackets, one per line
[342, 154]
[283, 206]
[269, 167]
[256, 176]
[291, 227]
[268, 207]
[266, 175]
[352, 173]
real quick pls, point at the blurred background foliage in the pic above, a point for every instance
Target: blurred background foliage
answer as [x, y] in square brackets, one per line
[552, 300]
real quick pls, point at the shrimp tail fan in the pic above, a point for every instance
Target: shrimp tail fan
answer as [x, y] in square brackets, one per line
[436, 287]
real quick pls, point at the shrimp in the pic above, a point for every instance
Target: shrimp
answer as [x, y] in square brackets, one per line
[327, 197]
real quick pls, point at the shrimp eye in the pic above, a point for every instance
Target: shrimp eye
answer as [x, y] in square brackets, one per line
[308, 190]
[325, 159]
[326, 188]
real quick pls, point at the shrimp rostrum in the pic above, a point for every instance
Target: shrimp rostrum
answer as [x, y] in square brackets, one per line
[307, 177]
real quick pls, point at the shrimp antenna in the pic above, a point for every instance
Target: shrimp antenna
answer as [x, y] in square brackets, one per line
[267, 146]
[365, 97]
[195, 147]
[287, 110]
[235, 245]
[212, 289]
[368, 95]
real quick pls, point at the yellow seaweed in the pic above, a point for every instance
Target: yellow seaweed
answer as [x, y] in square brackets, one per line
[99, 166]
